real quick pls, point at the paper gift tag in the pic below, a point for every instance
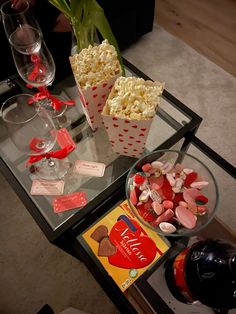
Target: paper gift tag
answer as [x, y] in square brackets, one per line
[43, 187]
[69, 201]
[64, 139]
[89, 168]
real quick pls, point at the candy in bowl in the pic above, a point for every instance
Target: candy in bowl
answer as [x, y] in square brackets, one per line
[172, 192]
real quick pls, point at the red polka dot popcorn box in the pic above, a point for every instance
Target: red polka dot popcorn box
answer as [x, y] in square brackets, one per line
[129, 112]
[95, 70]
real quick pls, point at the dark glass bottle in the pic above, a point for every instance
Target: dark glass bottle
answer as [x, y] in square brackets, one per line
[205, 272]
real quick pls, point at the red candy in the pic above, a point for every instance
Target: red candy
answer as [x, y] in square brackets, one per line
[138, 179]
[167, 189]
[166, 216]
[178, 198]
[156, 182]
[149, 216]
[201, 199]
[146, 167]
[190, 178]
[133, 197]
[168, 196]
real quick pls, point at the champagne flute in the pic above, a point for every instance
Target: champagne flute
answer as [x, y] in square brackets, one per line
[33, 132]
[37, 69]
[31, 54]
[21, 28]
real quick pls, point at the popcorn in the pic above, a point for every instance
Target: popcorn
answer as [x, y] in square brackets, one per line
[95, 64]
[134, 98]
[129, 112]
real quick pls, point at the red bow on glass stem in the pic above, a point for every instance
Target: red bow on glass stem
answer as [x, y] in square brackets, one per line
[45, 94]
[38, 70]
[59, 154]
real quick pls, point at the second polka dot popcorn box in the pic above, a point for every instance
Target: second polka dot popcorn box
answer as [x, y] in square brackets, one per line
[129, 112]
[95, 70]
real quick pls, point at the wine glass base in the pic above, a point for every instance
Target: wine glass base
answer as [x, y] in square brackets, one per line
[51, 169]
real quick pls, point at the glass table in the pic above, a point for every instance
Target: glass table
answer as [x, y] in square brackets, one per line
[173, 122]
[174, 126]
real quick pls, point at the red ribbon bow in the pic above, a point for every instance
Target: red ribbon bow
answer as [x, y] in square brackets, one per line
[45, 94]
[38, 70]
[59, 154]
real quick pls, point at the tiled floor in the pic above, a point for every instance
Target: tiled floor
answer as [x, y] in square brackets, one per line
[33, 272]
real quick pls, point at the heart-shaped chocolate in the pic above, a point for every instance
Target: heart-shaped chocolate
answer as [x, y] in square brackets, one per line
[99, 233]
[106, 248]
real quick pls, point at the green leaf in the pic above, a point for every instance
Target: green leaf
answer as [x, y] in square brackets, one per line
[77, 8]
[85, 16]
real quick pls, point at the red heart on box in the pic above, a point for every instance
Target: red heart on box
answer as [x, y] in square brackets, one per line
[115, 125]
[143, 130]
[110, 87]
[114, 118]
[131, 137]
[134, 126]
[104, 84]
[94, 87]
[121, 140]
[125, 130]
[133, 249]
[127, 121]
[138, 141]
[141, 134]
[95, 95]
[103, 96]
[120, 134]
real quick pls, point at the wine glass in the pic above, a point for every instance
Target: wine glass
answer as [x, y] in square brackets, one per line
[21, 28]
[31, 54]
[33, 132]
[37, 68]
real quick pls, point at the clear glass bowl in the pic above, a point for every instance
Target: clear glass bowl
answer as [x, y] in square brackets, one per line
[187, 161]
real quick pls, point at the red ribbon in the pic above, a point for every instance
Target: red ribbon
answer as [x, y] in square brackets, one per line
[45, 94]
[40, 69]
[59, 154]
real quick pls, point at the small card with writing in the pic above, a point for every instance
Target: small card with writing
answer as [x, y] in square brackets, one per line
[44, 187]
[69, 201]
[64, 139]
[89, 168]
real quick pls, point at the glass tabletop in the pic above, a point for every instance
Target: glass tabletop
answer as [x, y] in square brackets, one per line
[91, 146]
